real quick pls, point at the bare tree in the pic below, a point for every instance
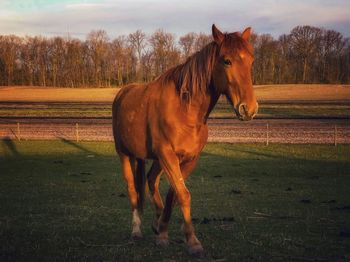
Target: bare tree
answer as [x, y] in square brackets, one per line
[165, 53]
[285, 60]
[146, 62]
[305, 41]
[57, 48]
[27, 58]
[201, 41]
[305, 55]
[187, 44]
[9, 53]
[266, 59]
[118, 57]
[332, 46]
[43, 60]
[137, 41]
[76, 65]
[97, 44]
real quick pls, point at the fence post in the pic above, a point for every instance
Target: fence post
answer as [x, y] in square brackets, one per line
[18, 132]
[267, 134]
[77, 132]
[335, 135]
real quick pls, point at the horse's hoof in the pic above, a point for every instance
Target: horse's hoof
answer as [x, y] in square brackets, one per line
[136, 236]
[162, 242]
[196, 250]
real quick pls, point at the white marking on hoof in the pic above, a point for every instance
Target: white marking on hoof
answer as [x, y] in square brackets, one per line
[136, 223]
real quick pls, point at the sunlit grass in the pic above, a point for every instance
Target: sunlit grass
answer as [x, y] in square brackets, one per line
[293, 92]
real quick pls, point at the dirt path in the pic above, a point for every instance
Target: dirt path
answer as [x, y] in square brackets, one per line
[326, 131]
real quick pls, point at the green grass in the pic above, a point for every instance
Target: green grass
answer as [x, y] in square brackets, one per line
[222, 110]
[82, 111]
[305, 111]
[61, 200]
[289, 111]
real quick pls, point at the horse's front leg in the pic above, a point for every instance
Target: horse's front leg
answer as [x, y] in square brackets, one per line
[193, 243]
[176, 175]
[163, 221]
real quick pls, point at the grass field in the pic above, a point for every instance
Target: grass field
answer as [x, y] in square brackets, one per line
[263, 92]
[61, 200]
[56, 94]
[276, 101]
[57, 110]
[288, 111]
[301, 92]
[222, 110]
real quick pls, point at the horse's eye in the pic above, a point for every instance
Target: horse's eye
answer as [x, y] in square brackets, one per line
[227, 62]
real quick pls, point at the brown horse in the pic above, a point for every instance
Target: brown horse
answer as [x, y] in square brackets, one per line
[166, 121]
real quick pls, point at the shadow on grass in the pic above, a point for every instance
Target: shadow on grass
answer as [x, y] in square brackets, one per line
[55, 215]
[76, 145]
[10, 147]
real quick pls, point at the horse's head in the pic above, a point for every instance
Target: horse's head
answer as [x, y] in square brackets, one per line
[232, 71]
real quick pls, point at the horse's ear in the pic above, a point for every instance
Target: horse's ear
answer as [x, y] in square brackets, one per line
[217, 35]
[247, 33]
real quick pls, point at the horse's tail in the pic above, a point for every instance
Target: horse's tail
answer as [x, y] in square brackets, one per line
[140, 183]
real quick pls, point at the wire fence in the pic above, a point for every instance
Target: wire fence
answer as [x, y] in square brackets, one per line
[220, 130]
[283, 132]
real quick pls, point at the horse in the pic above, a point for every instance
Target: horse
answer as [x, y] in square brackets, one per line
[166, 121]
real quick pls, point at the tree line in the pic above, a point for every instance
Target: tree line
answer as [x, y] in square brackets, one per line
[306, 55]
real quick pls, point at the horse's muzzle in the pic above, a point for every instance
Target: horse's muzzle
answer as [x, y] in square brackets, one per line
[245, 113]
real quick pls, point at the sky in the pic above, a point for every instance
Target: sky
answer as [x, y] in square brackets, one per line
[78, 18]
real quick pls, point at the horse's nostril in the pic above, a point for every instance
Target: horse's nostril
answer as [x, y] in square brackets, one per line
[243, 109]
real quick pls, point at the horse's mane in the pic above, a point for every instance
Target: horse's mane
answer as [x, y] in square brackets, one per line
[194, 75]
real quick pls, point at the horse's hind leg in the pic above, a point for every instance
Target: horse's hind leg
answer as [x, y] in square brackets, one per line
[153, 178]
[128, 170]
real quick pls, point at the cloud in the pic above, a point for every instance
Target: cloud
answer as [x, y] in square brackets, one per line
[123, 17]
[80, 6]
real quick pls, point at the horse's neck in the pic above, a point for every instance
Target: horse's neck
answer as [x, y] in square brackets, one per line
[204, 104]
[213, 98]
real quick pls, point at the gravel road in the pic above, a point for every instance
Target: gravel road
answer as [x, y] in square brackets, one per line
[301, 131]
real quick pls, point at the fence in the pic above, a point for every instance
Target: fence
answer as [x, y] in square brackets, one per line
[298, 132]
[220, 130]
